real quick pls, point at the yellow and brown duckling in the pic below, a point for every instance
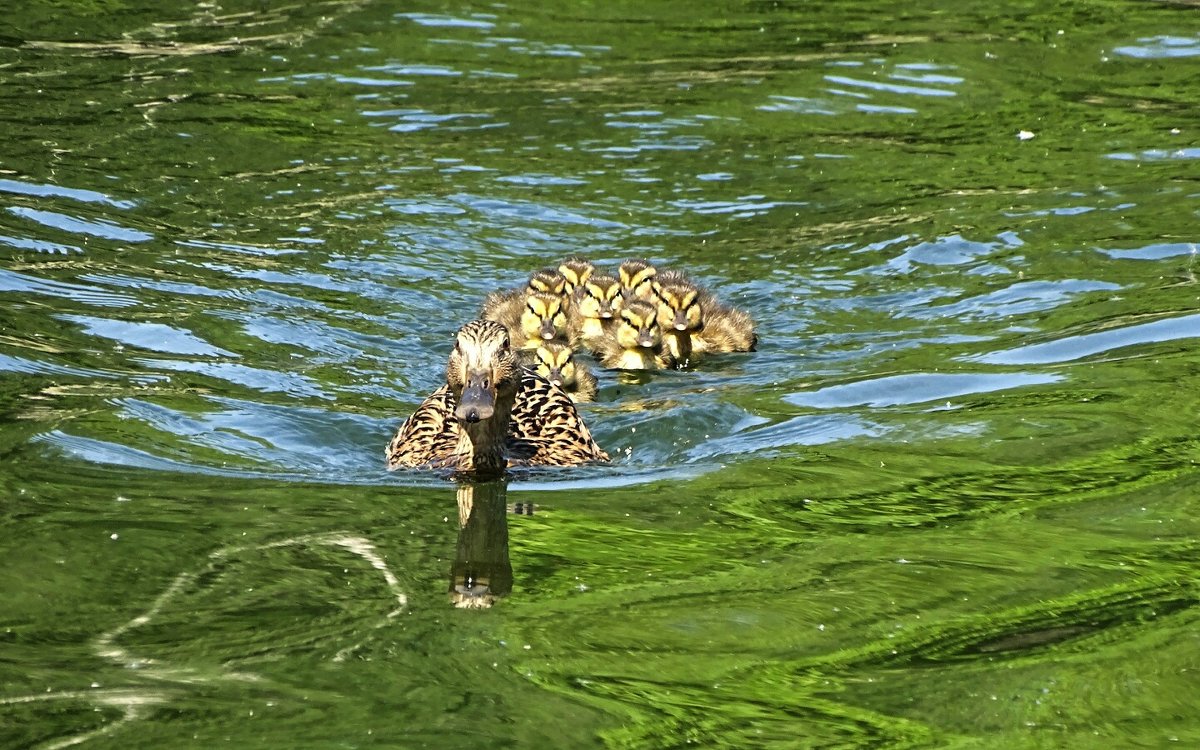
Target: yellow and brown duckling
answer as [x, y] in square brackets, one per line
[530, 317]
[557, 363]
[548, 281]
[491, 414]
[637, 279]
[543, 319]
[576, 270]
[594, 309]
[636, 341]
[680, 315]
[694, 322]
[505, 306]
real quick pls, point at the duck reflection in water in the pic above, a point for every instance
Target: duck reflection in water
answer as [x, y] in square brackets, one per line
[482, 571]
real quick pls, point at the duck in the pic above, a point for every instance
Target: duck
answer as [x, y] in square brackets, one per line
[695, 322]
[576, 270]
[492, 414]
[636, 341]
[557, 363]
[637, 277]
[506, 306]
[595, 308]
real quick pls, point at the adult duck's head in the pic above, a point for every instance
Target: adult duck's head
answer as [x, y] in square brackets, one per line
[482, 373]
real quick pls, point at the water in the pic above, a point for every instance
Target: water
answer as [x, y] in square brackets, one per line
[949, 502]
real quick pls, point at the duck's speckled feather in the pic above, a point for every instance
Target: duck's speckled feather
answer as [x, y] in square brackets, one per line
[544, 430]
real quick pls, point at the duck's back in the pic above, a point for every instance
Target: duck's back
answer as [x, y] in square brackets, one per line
[546, 429]
[429, 436]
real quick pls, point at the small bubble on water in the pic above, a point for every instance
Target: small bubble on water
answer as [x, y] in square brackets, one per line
[114, 537]
[1025, 135]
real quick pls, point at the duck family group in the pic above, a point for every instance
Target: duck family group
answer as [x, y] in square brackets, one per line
[513, 376]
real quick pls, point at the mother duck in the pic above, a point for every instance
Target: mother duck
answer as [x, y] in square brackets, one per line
[491, 414]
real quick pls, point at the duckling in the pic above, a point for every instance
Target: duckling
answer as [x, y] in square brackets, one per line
[506, 306]
[491, 414]
[543, 319]
[593, 313]
[548, 281]
[636, 343]
[576, 270]
[557, 363]
[636, 276]
[680, 314]
[694, 322]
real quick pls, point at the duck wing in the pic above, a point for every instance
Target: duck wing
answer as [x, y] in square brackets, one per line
[429, 436]
[545, 429]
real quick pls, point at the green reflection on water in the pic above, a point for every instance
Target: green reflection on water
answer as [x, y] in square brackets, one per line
[235, 242]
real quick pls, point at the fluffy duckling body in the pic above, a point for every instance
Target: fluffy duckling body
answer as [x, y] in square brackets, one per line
[636, 342]
[595, 309]
[491, 414]
[557, 363]
[680, 316]
[695, 322]
[727, 329]
[505, 307]
[637, 279]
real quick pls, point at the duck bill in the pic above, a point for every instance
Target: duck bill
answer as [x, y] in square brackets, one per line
[547, 330]
[646, 342]
[477, 402]
[680, 323]
[555, 376]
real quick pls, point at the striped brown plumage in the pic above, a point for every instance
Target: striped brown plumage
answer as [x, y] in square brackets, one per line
[544, 427]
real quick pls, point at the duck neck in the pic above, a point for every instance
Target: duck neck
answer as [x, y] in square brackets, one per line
[593, 328]
[679, 344]
[481, 444]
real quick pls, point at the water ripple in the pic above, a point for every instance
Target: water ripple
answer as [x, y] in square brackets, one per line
[14, 281]
[58, 191]
[255, 378]
[476, 21]
[891, 88]
[102, 228]
[1072, 348]
[1156, 251]
[157, 337]
[1161, 47]
[914, 388]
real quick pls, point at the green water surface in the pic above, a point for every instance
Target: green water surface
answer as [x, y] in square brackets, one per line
[950, 502]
